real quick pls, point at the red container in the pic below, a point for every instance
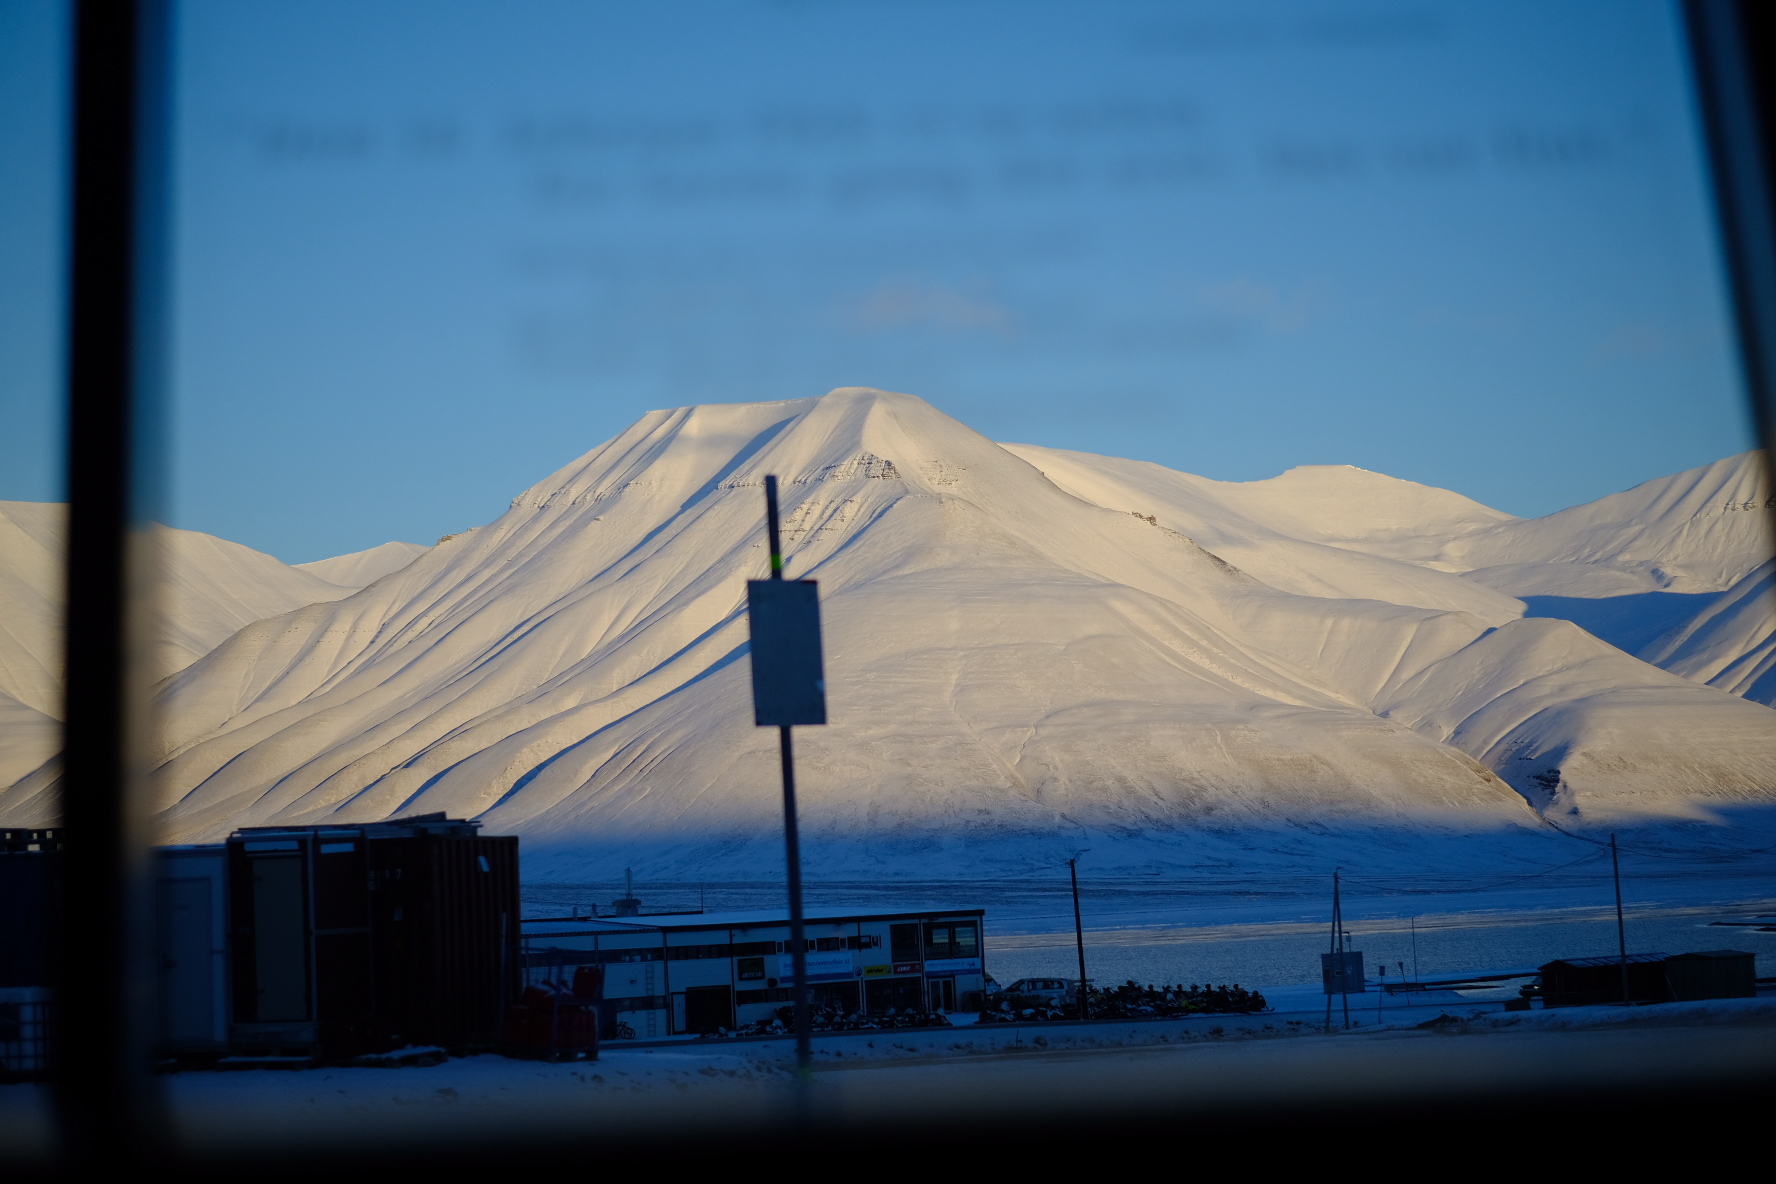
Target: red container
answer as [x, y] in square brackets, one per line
[553, 1023]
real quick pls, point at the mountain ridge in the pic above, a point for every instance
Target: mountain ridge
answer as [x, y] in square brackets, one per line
[1027, 649]
[1009, 662]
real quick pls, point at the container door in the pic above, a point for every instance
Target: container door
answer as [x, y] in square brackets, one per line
[280, 939]
[187, 978]
[344, 995]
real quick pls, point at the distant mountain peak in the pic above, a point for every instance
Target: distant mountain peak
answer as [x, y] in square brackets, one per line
[365, 567]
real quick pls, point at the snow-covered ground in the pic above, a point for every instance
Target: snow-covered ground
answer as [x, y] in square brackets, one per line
[1213, 1062]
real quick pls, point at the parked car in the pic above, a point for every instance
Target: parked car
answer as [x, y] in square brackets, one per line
[1055, 992]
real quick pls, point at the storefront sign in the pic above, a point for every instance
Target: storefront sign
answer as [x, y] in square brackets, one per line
[906, 968]
[824, 966]
[953, 966]
[877, 971]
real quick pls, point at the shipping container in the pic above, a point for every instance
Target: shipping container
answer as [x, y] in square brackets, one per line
[352, 940]
[30, 905]
[1712, 974]
[30, 917]
[1577, 982]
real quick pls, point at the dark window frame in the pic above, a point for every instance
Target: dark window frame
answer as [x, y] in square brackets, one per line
[105, 1112]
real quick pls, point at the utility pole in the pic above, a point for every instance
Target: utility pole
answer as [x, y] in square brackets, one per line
[1621, 930]
[1343, 946]
[1335, 964]
[788, 688]
[1079, 933]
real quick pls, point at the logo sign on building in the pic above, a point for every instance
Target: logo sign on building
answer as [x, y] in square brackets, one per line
[952, 965]
[823, 966]
[906, 968]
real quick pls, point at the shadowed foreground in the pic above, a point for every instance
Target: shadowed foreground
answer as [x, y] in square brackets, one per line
[1141, 1077]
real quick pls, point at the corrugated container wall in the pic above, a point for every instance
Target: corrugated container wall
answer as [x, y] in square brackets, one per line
[350, 940]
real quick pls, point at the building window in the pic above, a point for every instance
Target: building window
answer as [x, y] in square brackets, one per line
[903, 941]
[952, 940]
[680, 953]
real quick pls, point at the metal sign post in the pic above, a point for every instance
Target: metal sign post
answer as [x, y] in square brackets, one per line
[788, 688]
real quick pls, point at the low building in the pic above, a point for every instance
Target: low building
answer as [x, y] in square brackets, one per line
[1652, 978]
[1578, 982]
[1712, 974]
[672, 974]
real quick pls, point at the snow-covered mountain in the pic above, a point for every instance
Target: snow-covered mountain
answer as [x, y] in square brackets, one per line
[1319, 530]
[1730, 643]
[1028, 651]
[210, 588]
[214, 588]
[1665, 571]
[364, 567]
[1695, 531]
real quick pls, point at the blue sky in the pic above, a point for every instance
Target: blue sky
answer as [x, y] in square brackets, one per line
[428, 252]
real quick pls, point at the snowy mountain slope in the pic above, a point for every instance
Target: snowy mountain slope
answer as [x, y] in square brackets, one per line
[1291, 531]
[364, 567]
[1010, 667]
[1731, 643]
[1544, 705]
[211, 587]
[1004, 660]
[1615, 567]
[1582, 729]
[1695, 531]
[28, 738]
[31, 535]
[1665, 571]
[1344, 506]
